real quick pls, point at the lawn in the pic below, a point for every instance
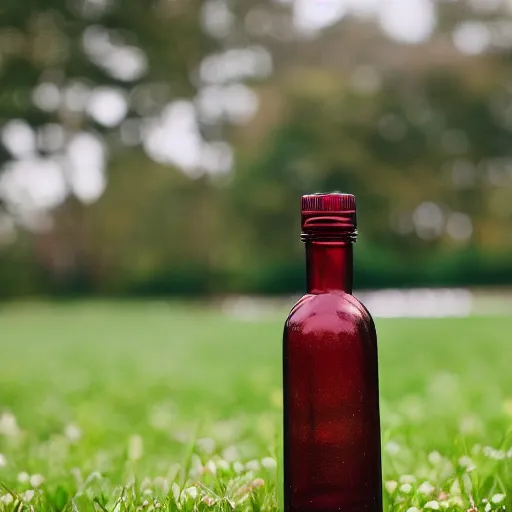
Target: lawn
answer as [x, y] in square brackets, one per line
[158, 406]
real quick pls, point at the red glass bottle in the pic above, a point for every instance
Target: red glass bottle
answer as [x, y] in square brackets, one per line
[332, 458]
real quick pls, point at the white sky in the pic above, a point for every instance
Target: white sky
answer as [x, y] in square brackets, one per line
[408, 21]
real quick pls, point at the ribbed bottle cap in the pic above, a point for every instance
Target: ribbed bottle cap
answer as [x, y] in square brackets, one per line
[329, 216]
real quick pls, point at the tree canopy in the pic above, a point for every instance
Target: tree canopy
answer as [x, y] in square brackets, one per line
[161, 147]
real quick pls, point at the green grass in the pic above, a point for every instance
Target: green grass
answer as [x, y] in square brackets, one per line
[121, 406]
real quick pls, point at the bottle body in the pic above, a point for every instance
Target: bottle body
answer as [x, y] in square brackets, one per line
[331, 406]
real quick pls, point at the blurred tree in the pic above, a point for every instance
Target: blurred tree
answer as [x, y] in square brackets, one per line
[213, 117]
[81, 80]
[415, 131]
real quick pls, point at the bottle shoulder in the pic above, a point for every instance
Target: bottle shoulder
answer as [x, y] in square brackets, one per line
[333, 309]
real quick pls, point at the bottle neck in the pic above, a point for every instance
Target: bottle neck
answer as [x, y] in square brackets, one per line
[329, 267]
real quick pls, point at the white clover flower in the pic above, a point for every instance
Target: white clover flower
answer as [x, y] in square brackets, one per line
[488, 450]
[162, 483]
[433, 505]
[413, 509]
[455, 488]
[230, 453]
[145, 503]
[146, 482]
[77, 475]
[3, 461]
[467, 462]
[391, 486]
[269, 463]
[36, 480]
[9, 425]
[476, 450]
[456, 501]
[28, 495]
[181, 436]
[191, 491]
[258, 482]
[492, 453]
[135, 448]
[206, 445]
[211, 467]
[407, 479]
[161, 416]
[209, 500]
[223, 465]
[175, 488]
[196, 466]
[392, 448]
[6, 499]
[498, 498]
[252, 465]
[73, 433]
[435, 458]
[238, 467]
[23, 477]
[470, 424]
[406, 488]
[426, 488]
[467, 483]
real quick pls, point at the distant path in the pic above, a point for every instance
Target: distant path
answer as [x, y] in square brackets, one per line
[393, 303]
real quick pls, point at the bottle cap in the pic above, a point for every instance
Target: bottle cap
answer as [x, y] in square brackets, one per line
[329, 217]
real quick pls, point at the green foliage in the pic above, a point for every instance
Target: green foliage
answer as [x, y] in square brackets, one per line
[426, 127]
